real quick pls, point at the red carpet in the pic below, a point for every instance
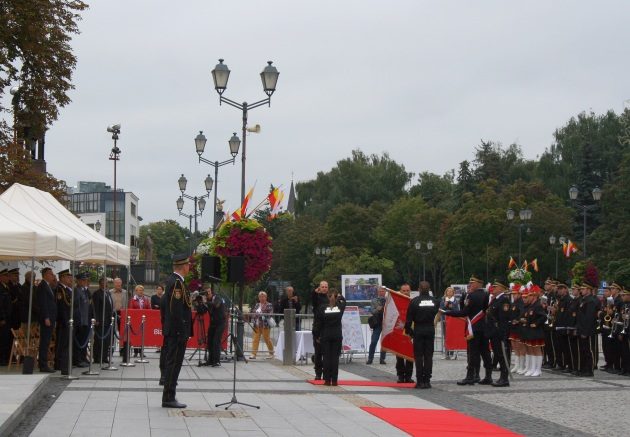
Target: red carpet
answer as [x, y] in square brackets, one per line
[441, 423]
[367, 383]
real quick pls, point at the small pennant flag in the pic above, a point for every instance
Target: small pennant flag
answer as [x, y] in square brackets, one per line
[569, 248]
[512, 263]
[525, 265]
[534, 264]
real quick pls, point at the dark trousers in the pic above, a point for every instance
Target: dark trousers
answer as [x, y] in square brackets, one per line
[61, 349]
[318, 359]
[215, 334]
[478, 347]
[606, 348]
[376, 334]
[498, 346]
[79, 354]
[614, 351]
[565, 351]
[549, 349]
[625, 353]
[594, 350]
[331, 349]
[404, 368]
[559, 357]
[423, 354]
[6, 338]
[45, 334]
[163, 354]
[176, 348]
[585, 354]
[575, 351]
[102, 341]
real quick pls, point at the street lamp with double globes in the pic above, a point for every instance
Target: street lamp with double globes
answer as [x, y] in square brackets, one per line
[269, 77]
[418, 247]
[552, 242]
[200, 145]
[198, 202]
[573, 195]
[524, 215]
[322, 253]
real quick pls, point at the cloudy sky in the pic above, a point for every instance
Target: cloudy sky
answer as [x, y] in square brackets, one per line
[423, 81]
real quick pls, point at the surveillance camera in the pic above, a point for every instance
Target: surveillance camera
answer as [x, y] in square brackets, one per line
[114, 129]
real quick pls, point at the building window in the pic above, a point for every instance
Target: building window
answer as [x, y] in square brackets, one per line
[133, 209]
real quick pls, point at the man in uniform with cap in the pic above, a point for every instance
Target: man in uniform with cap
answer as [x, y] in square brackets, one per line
[6, 310]
[586, 320]
[624, 334]
[81, 320]
[177, 328]
[47, 313]
[103, 310]
[64, 302]
[474, 310]
[497, 326]
[572, 309]
[560, 327]
[614, 345]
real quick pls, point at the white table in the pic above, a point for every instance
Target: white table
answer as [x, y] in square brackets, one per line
[303, 341]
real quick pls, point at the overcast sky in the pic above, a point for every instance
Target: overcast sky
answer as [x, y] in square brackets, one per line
[423, 81]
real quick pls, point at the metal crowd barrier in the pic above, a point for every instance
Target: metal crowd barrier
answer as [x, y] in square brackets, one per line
[303, 321]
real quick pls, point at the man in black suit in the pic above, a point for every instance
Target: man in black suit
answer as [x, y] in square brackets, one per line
[103, 309]
[64, 303]
[474, 310]
[47, 306]
[177, 328]
[6, 310]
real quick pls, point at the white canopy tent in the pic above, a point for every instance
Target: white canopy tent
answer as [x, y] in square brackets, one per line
[40, 210]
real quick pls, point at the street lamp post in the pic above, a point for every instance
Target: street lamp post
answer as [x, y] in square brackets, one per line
[200, 145]
[269, 77]
[97, 226]
[114, 156]
[322, 253]
[198, 201]
[573, 195]
[561, 241]
[524, 215]
[418, 247]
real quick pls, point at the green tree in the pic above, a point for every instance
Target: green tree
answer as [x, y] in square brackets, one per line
[436, 190]
[168, 238]
[350, 226]
[360, 179]
[343, 262]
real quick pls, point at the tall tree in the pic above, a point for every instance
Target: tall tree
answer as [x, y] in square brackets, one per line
[168, 238]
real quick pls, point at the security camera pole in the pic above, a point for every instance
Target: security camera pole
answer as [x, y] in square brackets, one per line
[269, 77]
[114, 156]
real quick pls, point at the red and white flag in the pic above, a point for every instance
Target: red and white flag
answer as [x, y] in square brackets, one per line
[569, 248]
[393, 337]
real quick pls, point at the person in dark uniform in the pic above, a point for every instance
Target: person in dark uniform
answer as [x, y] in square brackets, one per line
[331, 335]
[81, 320]
[163, 351]
[404, 368]
[497, 324]
[319, 298]
[102, 310]
[516, 311]
[585, 324]
[532, 333]
[474, 310]
[548, 301]
[216, 307]
[560, 327]
[615, 343]
[47, 303]
[16, 298]
[378, 308]
[420, 326]
[156, 300]
[6, 310]
[177, 328]
[572, 329]
[623, 334]
[64, 302]
[26, 298]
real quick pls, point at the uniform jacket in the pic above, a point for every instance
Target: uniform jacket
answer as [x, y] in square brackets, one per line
[475, 302]
[572, 309]
[586, 320]
[47, 302]
[331, 319]
[498, 317]
[64, 301]
[318, 300]
[535, 317]
[562, 314]
[421, 313]
[97, 306]
[81, 306]
[5, 306]
[177, 309]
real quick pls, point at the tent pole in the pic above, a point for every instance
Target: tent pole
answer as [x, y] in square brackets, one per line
[71, 328]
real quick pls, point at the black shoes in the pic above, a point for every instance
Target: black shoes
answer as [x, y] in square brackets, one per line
[501, 383]
[215, 365]
[466, 381]
[423, 385]
[334, 383]
[173, 404]
[327, 382]
[368, 362]
[46, 370]
[383, 362]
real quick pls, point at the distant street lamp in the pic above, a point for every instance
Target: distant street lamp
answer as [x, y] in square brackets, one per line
[322, 253]
[418, 247]
[524, 215]
[97, 226]
[114, 156]
[198, 202]
[573, 195]
[200, 145]
[561, 241]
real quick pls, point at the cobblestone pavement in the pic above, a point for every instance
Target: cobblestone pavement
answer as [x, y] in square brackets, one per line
[127, 401]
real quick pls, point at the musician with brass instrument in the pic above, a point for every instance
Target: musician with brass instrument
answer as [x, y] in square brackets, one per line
[571, 323]
[561, 323]
[548, 302]
[615, 344]
[624, 335]
[586, 327]
[606, 331]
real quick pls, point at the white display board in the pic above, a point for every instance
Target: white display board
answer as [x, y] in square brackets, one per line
[353, 336]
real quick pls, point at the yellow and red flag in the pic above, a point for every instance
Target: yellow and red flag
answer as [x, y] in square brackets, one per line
[534, 264]
[525, 265]
[512, 263]
[275, 199]
[569, 248]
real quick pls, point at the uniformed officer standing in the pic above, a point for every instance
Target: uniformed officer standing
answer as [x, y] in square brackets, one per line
[572, 328]
[177, 328]
[102, 311]
[16, 301]
[560, 327]
[498, 321]
[623, 335]
[474, 310]
[319, 299]
[81, 319]
[585, 323]
[5, 318]
[421, 313]
[47, 313]
[64, 301]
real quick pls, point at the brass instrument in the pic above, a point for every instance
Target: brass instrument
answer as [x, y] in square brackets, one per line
[551, 314]
[615, 323]
[625, 317]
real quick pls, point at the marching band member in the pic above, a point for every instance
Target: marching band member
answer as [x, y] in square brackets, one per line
[532, 333]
